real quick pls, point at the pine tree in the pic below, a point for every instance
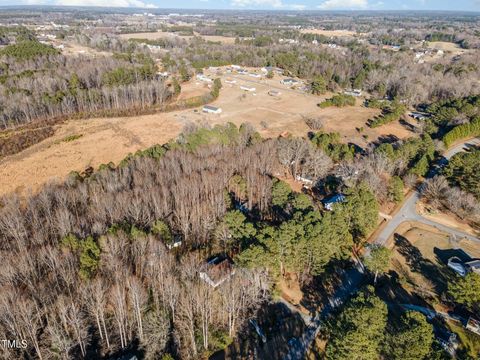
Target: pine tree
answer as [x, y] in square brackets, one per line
[358, 331]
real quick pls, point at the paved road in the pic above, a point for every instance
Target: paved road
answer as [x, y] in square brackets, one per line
[351, 281]
[353, 278]
[408, 210]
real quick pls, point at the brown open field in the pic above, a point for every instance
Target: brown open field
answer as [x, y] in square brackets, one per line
[104, 140]
[273, 115]
[445, 46]
[338, 33]
[162, 34]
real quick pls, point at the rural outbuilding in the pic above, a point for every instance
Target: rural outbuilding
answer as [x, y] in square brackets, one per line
[211, 109]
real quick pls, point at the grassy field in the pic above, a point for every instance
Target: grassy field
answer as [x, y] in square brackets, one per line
[111, 139]
[162, 34]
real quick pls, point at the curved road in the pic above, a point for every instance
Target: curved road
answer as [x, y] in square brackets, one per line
[352, 278]
[408, 210]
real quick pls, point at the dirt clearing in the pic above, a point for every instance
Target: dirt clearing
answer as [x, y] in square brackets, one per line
[338, 33]
[162, 35]
[103, 140]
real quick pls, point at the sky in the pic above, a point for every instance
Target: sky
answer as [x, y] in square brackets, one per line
[303, 5]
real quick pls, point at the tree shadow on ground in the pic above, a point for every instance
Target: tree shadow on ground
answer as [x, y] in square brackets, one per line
[436, 274]
[443, 255]
[318, 289]
[279, 325]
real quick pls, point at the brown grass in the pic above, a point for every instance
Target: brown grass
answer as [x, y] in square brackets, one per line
[338, 33]
[111, 139]
[162, 35]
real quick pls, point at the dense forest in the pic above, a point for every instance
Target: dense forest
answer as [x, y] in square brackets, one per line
[38, 83]
[89, 262]
[122, 259]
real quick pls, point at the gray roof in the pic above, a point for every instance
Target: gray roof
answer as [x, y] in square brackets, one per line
[209, 107]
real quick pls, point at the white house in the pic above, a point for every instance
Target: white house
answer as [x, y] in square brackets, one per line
[246, 88]
[354, 92]
[289, 82]
[211, 109]
[204, 78]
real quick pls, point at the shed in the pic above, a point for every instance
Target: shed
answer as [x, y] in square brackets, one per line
[211, 109]
[473, 325]
[473, 266]
[457, 265]
[275, 93]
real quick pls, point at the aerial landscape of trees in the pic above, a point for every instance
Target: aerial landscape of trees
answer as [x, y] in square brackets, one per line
[115, 260]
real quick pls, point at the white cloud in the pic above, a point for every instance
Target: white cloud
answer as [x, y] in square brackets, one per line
[343, 4]
[257, 3]
[297, 7]
[106, 3]
[277, 4]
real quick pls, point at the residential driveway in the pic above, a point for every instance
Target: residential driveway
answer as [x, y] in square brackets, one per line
[353, 278]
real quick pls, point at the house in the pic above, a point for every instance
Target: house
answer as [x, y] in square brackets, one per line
[274, 93]
[462, 268]
[448, 341]
[211, 109]
[457, 265]
[246, 88]
[217, 270]
[204, 78]
[267, 69]
[176, 243]
[304, 180]
[473, 266]
[162, 74]
[353, 92]
[329, 202]
[473, 325]
[289, 82]
[418, 115]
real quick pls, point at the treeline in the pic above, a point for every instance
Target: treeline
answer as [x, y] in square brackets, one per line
[340, 100]
[55, 86]
[395, 75]
[390, 113]
[463, 171]
[412, 156]
[471, 129]
[27, 50]
[301, 240]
